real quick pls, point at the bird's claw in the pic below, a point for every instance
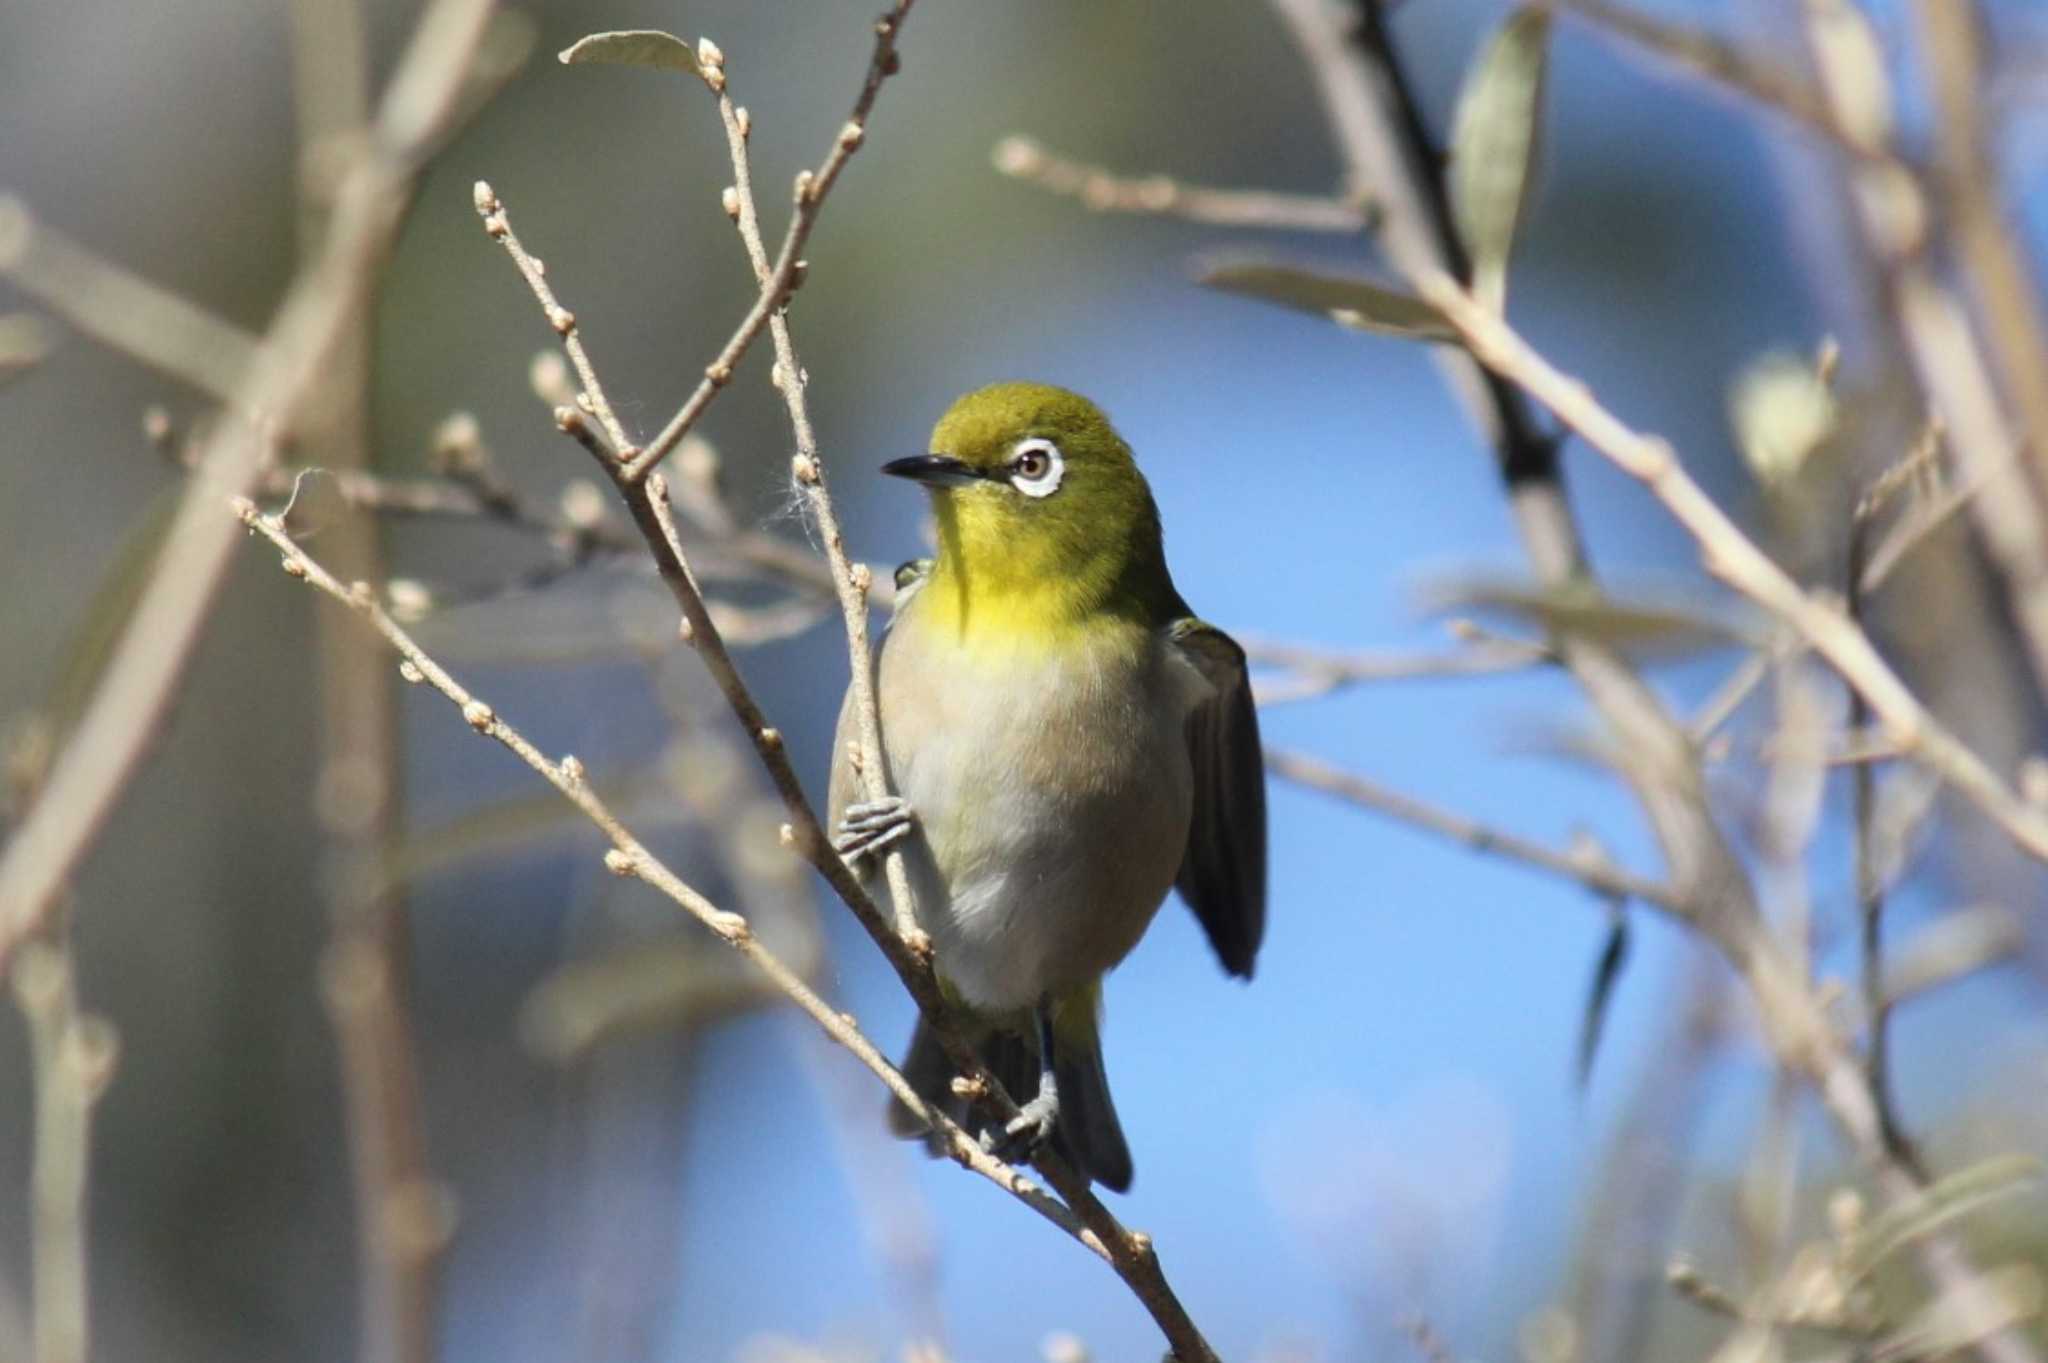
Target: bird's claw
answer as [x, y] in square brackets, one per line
[868, 827]
[1027, 1132]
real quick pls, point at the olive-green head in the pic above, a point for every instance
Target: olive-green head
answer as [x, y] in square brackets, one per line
[1042, 512]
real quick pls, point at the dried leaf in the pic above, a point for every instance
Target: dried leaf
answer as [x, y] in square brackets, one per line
[1493, 146]
[1355, 303]
[648, 47]
[1948, 1199]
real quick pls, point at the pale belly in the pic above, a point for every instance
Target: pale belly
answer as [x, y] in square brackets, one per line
[1053, 804]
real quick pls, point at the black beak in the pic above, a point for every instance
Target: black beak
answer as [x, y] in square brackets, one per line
[933, 470]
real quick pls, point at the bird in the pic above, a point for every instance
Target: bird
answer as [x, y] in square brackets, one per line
[1065, 743]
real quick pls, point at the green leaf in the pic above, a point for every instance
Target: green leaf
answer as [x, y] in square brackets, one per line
[648, 47]
[1355, 303]
[1644, 629]
[1949, 1198]
[1493, 146]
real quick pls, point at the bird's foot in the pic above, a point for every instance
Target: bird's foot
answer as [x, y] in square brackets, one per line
[1027, 1132]
[866, 828]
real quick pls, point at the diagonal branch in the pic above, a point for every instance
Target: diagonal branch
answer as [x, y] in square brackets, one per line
[1735, 559]
[143, 675]
[630, 857]
[786, 274]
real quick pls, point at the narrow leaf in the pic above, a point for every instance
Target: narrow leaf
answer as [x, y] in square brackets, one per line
[1644, 628]
[1949, 1198]
[1355, 303]
[1493, 146]
[634, 47]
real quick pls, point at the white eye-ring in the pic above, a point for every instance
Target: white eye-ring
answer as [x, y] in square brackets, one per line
[1036, 467]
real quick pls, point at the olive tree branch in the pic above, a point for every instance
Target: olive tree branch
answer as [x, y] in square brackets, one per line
[1800, 1034]
[1732, 557]
[1380, 131]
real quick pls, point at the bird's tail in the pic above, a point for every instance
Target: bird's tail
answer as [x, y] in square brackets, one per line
[1088, 1136]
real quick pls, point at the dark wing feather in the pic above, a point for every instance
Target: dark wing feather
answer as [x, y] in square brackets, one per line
[1223, 872]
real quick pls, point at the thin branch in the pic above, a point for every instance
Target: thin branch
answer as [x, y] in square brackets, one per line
[1754, 80]
[1103, 191]
[1588, 868]
[73, 1056]
[1870, 893]
[1948, 361]
[1309, 672]
[1729, 696]
[783, 277]
[808, 470]
[1734, 558]
[629, 857]
[147, 665]
[591, 395]
[2001, 277]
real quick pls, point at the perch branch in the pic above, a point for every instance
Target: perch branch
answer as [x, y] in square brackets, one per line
[629, 857]
[1130, 1252]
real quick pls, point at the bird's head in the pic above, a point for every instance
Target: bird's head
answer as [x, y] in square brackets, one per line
[1043, 516]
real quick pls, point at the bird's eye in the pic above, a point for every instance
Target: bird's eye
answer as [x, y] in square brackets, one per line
[1036, 467]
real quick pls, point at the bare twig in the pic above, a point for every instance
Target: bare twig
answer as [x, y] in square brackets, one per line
[74, 1055]
[1948, 361]
[148, 663]
[1309, 672]
[1103, 191]
[808, 470]
[629, 857]
[591, 395]
[783, 277]
[1753, 79]
[1589, 869]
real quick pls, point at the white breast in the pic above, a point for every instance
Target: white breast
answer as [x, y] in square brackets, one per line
[1053, 795]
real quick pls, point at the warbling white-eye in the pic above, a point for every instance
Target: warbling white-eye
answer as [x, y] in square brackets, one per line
[1067, 742]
